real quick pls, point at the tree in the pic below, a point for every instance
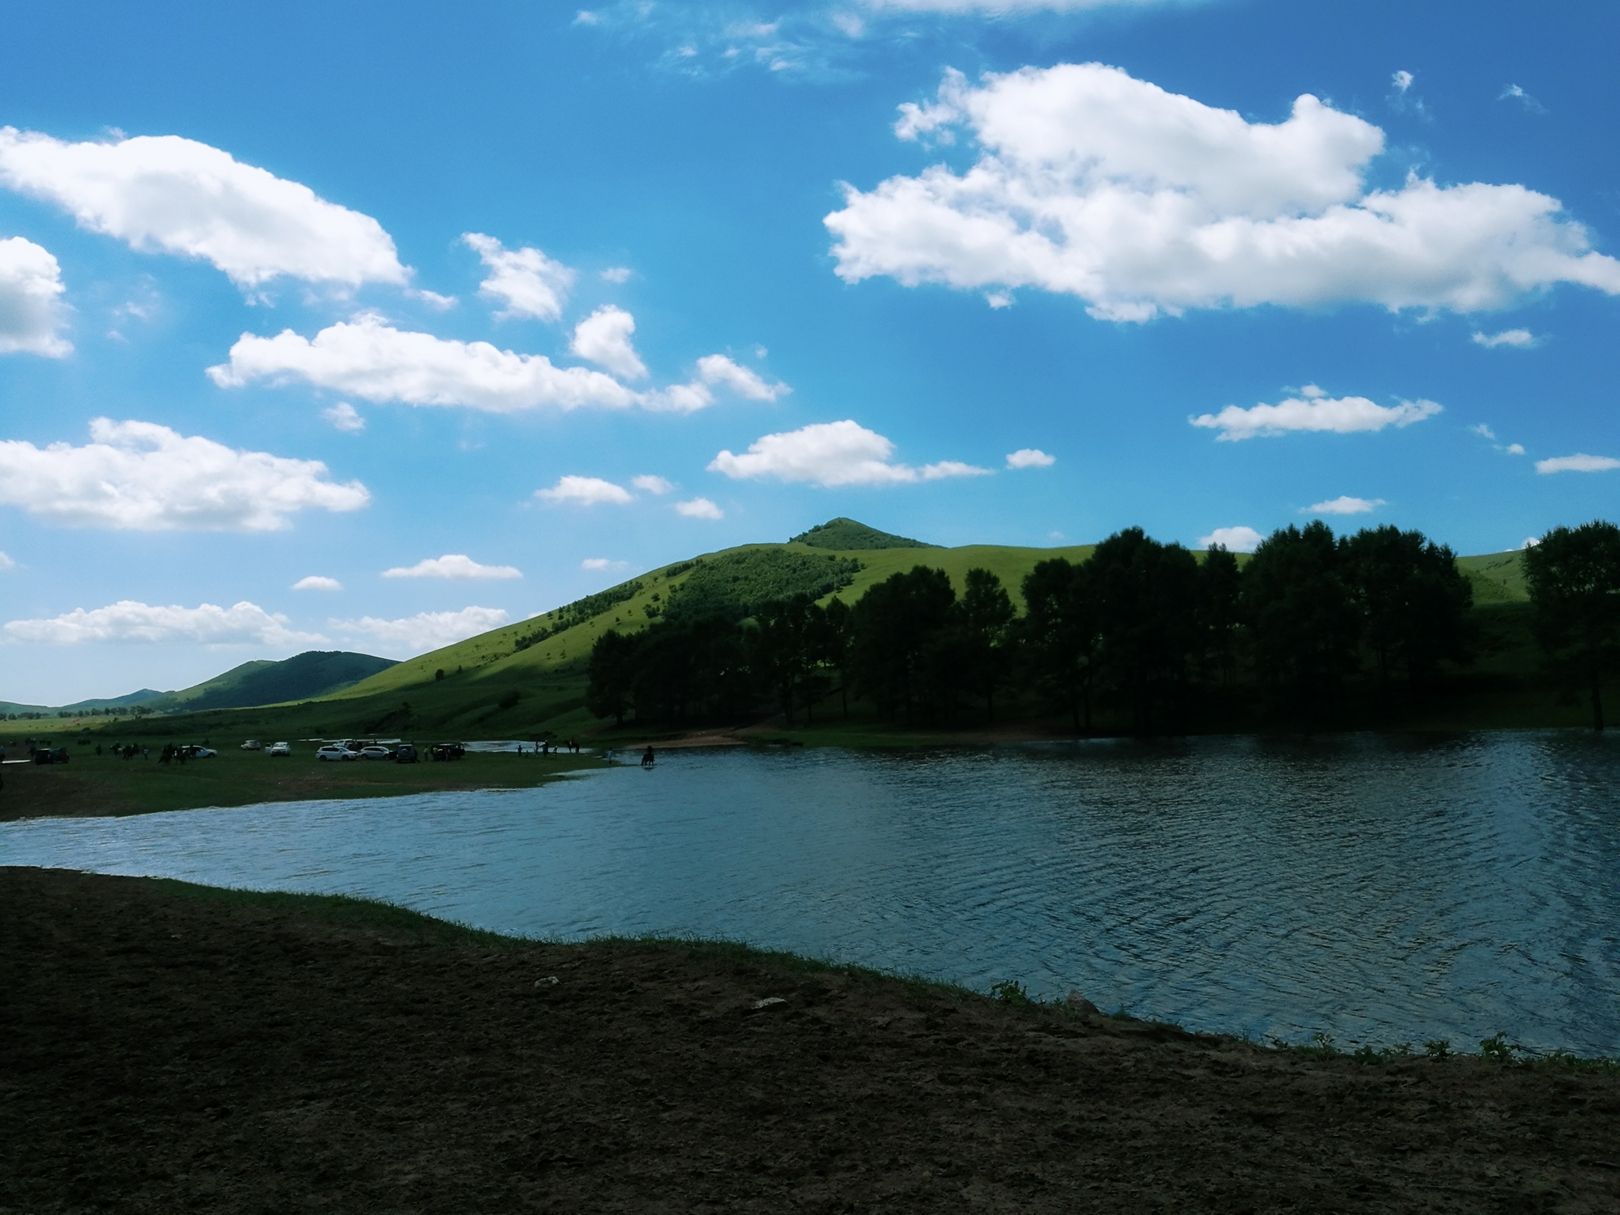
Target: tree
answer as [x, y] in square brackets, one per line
[984, 617]
[1304, 625]
[1059, 632]
[612, 673]
[1145, 593]
[1574, 580]
[1412, 600]
[1218, 614]
[898, 634]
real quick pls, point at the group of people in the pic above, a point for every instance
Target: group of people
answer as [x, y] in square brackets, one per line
[544, 746]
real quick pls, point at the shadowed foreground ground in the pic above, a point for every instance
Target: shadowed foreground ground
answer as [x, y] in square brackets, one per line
[172, 1050]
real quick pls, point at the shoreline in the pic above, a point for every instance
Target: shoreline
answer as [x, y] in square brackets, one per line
[189, 1048]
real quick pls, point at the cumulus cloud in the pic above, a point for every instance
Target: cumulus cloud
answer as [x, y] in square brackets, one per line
[410, 635]
[1580, 462]
[32, 314]
[370, 359]
[452, 565]
[140, 476]
[584, 491]
[1233, 539]
[831, 454]
[1515, 339]
[343, 416]
[317, 582]
[6, 563]
[647, 483]
[1314, 411]
[1344, 505]
[699, 508]
[603, 564]
[127, 620]
[167, 194]
[1030, 457]
[525, 281]
[714, 371]
[1141, 202]
[603, 338]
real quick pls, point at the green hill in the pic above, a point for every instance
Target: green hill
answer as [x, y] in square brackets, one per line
[846, 535]
[528, 678]
[305, 676]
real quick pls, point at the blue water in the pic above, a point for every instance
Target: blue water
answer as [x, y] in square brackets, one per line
[1379, 889]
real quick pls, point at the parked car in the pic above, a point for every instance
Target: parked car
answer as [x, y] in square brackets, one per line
[194, 751]
[405, 753]
[253, 744]
[280, 748]
[376, 751]
[334, 751]
[448, 750]
[50, 755]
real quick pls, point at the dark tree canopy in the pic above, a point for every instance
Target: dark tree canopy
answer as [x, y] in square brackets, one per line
[1574, 580]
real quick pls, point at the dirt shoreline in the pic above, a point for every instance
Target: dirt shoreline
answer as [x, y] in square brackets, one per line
[169, 1050]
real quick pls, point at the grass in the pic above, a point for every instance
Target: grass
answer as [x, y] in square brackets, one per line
[104, 785]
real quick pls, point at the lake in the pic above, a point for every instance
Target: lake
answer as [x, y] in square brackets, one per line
[1377, 888]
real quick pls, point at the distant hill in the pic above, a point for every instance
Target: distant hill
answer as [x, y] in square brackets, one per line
[305, 676]
[847, 535]
[529, 678]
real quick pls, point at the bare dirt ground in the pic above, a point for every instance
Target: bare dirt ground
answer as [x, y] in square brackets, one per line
[164, 1052]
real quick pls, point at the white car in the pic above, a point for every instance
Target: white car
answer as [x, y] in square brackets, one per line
[376, 751]
[280, 748]
[333, 751]
[252, 744]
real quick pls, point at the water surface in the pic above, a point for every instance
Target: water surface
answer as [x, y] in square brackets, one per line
[1380, 889]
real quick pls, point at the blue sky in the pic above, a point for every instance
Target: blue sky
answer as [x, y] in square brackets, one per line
[372, 326]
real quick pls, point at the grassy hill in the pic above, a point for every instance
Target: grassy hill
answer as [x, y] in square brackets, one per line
[528, 678]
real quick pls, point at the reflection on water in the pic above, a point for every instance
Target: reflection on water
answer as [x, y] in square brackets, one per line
[1378, 889]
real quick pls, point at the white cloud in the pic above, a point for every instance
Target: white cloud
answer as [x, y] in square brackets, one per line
[717, 370]
[435, 301]
[617, 274]
[603, 564]
[368, 358]
[411, 635]
[831, 454]
[603, 338]
[1233, 539]
[1517, 339]
[1513, 92]
[1312, 410]
[714, 371]
[1580, 462]
[1530, 542]
[525, 280]
[317, 582]
[6, 563]
[1030, 457]
[343, 416]
[699, 508]
[127, 620]
[452, 565]
[999, 300]
[1401, 81]
[172, 195]
[1141, 202]
[1344, 505]
[584, 491]
[32, 314]
[647, 483]
[1485, 432]
[140, 476]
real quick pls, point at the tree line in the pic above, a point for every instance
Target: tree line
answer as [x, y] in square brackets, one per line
[1142, 636]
